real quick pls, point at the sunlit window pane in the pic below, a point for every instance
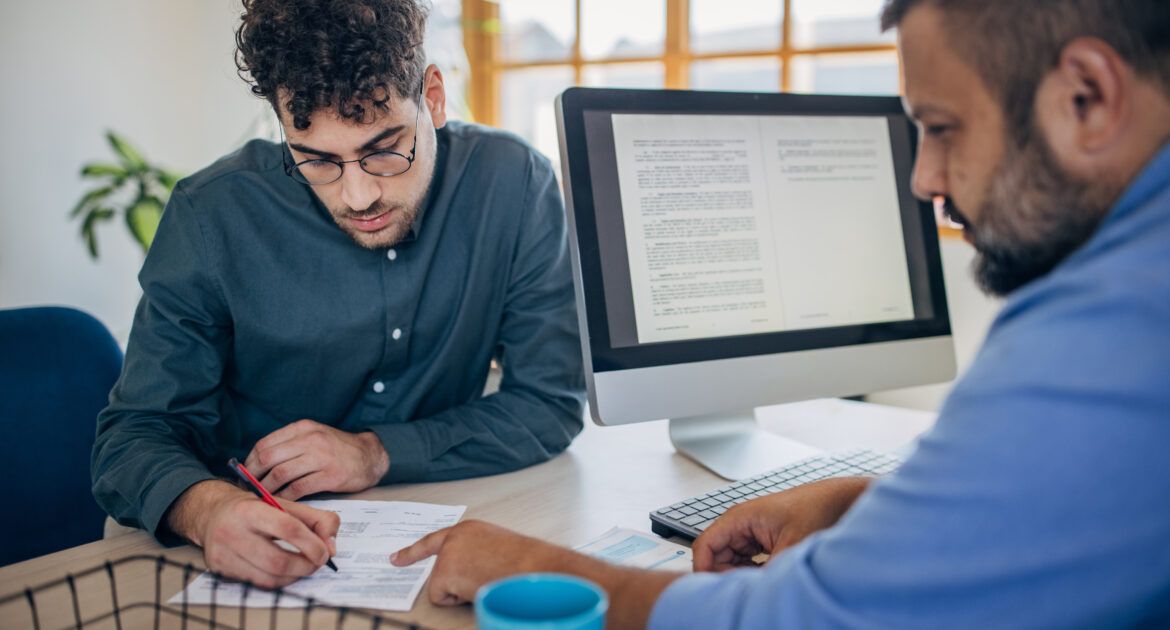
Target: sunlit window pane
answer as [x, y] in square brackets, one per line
[624, 75]
[622, 28]
[870, 73]
[737, 75]
[537, 30]
[720, 25]
[821, 23]
[526, 104]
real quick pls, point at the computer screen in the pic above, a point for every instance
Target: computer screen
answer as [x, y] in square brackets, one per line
[721, 225]
[715, 225]
[732, 251]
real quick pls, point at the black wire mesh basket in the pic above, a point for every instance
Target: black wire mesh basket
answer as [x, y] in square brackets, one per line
[135, 592]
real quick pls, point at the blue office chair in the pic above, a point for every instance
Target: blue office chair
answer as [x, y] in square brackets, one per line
[57, 366]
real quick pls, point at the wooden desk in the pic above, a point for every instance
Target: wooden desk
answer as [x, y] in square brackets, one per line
[611, 476]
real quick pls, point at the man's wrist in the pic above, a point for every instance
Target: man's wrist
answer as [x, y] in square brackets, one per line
[187, 516]
[632, 592]
[378, 457]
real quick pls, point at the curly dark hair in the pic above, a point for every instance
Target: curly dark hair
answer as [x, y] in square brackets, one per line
[351, 55]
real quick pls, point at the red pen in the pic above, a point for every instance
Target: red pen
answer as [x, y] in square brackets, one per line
[261, 492]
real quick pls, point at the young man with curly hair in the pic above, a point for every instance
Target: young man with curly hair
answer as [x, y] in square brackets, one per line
[326, 309]
[1041, 498]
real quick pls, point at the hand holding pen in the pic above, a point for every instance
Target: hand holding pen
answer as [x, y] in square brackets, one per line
[264, 495]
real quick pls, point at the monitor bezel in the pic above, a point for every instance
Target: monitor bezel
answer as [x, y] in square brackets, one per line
[572, 105]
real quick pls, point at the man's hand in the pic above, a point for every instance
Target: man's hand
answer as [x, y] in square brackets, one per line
[773, 523]
[474, 553]
[308, 457]
[237, 530]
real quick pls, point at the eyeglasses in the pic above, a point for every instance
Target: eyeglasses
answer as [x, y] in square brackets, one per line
[319, 171]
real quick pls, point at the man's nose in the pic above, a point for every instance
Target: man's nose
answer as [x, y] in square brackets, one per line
[929, 179]
[359, 191]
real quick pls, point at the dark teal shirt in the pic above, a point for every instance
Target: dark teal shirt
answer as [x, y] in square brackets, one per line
[257, 311]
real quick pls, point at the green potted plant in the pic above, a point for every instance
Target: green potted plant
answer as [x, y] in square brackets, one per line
[131, 187]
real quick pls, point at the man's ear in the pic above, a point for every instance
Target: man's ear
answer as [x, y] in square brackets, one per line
[435, 94]
[1083, 103]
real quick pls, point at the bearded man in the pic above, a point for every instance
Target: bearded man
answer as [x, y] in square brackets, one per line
[1040, 498]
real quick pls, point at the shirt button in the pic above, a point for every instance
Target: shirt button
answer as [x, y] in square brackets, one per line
[397, 334]
[379, 387]
[391, 254]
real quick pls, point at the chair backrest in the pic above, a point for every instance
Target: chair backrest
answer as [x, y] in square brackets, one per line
[57, 366]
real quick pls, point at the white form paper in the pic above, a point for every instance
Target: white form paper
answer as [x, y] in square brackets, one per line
[370, 531]
[632, 548]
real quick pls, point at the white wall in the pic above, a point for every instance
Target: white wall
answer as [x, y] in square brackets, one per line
[160, 73]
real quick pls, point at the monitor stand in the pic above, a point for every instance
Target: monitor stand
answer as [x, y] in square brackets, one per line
[733, 446]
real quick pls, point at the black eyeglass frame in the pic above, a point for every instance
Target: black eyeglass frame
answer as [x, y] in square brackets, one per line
[294, 170]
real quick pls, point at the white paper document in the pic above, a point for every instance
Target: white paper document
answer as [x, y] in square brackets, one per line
[632, 548]
[370, 531]
[739, 225]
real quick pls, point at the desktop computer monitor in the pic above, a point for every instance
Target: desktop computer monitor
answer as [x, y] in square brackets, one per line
[732, 251]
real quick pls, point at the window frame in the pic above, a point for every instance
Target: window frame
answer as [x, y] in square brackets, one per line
[482, 27]
[481, 38]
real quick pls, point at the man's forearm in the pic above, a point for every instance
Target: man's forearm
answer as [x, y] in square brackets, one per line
[495, 434]
[633, 595]
[632, 592]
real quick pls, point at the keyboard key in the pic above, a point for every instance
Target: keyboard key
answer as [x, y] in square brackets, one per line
[688, 510]
[676, 515]
[693, 520]
[707, 514]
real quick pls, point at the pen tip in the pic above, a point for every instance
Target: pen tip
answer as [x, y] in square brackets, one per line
[329, 563]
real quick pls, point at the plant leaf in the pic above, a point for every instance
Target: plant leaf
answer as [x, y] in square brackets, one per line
[87, 228]
[103, 169]
[131, 158]
[143, 218]
[90, 240]
[91, 197]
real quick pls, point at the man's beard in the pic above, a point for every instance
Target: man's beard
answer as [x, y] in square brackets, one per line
[401, 222]
[403, 211]
[1035, 215]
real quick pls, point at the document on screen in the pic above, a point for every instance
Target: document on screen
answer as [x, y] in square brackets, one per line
[740, 225]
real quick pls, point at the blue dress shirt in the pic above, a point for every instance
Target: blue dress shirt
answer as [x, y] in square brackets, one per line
[1041, 499]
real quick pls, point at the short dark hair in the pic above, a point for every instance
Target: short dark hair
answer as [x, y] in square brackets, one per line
[351, 55]
[1015, 43]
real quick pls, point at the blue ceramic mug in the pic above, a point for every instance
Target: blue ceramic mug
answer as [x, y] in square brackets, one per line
[544, 601]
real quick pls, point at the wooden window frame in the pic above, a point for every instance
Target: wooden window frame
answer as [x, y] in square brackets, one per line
[481, 21]
[481, 39]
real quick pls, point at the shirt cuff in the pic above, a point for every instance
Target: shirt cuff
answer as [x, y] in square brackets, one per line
[687, 603]
[407, 448]
[162, 494]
